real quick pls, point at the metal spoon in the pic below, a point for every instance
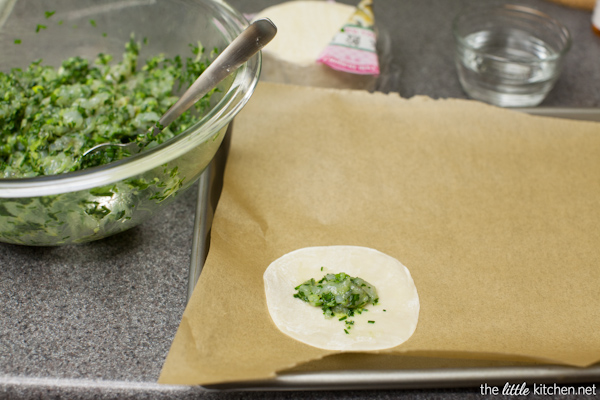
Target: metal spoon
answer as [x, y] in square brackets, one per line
[248, 43]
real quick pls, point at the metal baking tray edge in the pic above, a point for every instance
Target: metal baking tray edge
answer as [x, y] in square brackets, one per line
[210, 187]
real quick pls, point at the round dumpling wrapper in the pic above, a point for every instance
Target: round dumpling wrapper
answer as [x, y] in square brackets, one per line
[305, 29]
[394, 318]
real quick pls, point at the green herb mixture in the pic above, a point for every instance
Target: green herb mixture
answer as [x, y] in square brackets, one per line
[338, 295]
[49, 117]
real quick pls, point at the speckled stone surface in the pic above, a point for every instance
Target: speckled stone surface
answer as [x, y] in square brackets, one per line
[97, 320]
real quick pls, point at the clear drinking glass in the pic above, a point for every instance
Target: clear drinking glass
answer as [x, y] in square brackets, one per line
[508, 55]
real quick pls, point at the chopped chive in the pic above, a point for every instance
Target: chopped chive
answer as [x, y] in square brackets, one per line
[384, 310]
[371, 322]
[17, 41]
[321, 268]
[325, 293]
[49, 14]
[347, 333]
[92, 22]
[104, 34]
[60, 22]
[39, 27]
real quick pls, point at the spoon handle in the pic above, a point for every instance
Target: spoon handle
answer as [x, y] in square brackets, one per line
[249, 42]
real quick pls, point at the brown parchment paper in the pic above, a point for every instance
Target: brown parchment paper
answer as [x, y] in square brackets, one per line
[495, 213]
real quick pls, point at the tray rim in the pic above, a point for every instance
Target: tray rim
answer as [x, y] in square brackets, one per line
[439, 378]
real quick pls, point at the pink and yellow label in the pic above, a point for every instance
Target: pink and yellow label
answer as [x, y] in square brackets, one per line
[353, 49]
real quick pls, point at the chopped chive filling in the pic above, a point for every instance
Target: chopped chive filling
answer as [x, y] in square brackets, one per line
[371, 322]
[338, 295]
[50, 116]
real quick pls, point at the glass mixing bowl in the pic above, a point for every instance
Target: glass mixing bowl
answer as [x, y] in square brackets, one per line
[94, 203]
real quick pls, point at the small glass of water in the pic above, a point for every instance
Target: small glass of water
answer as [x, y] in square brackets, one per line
[509, 55]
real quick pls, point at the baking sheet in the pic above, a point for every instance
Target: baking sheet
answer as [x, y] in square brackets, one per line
[369, 379]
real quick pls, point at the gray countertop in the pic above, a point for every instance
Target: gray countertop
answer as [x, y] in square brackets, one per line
[97, 320]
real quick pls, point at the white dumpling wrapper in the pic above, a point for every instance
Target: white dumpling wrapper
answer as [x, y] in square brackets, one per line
[304, 28]
[307, 324]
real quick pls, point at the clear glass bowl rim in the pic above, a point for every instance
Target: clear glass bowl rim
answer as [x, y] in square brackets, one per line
[486, 9]
[238, 94]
